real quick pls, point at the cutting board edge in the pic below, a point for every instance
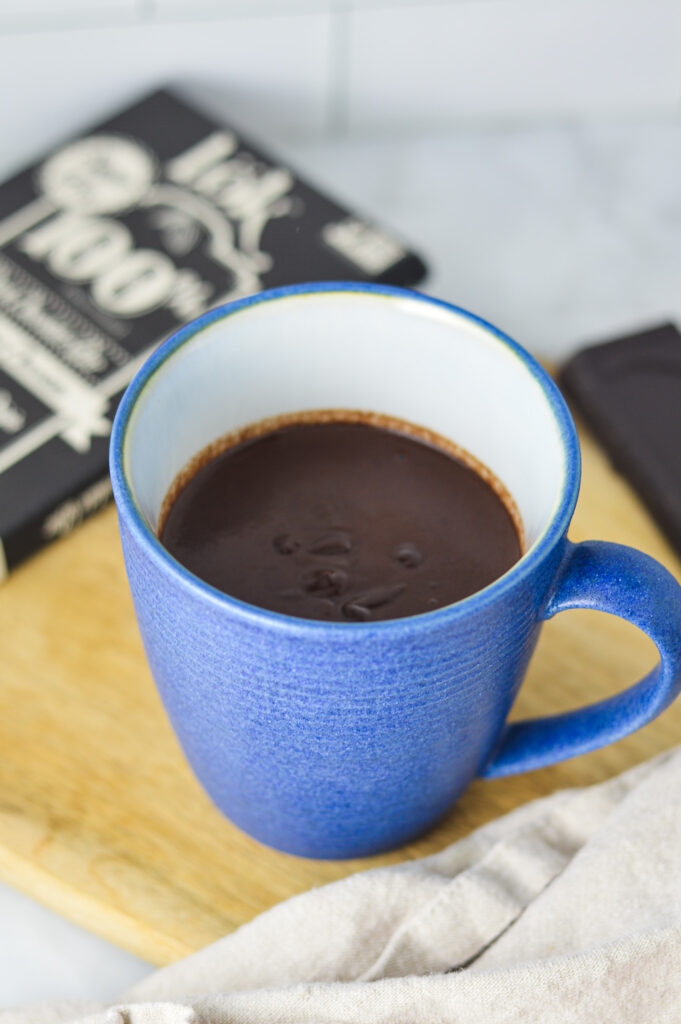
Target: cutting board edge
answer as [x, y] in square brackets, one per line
[89, 913]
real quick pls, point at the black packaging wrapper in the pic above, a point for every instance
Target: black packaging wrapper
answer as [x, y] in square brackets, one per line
[109, 244]
[629, 392]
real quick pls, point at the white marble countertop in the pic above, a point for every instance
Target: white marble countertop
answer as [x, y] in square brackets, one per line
[559, 235]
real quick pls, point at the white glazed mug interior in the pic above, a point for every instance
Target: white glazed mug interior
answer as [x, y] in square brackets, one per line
[372, 350]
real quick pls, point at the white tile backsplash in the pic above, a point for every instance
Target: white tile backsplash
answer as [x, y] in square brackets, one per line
[270, 73]
[309, 66]
[49, 7]
[38, 14]
[491, 59]
[194, 8]
[199, 9]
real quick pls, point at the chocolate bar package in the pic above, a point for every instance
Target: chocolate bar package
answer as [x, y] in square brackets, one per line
[629, 392]
[110, 243]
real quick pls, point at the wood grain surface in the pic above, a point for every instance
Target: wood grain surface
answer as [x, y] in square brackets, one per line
[100, 817]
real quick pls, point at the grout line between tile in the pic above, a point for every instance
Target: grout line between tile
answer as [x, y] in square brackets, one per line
[240, 9]
[339, 71]
[70, 21]
[146, 11]
[142, 12]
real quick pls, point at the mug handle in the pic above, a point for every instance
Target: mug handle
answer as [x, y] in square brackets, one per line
[621, 581]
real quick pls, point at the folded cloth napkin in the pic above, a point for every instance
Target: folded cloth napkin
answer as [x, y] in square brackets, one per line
[566, 910]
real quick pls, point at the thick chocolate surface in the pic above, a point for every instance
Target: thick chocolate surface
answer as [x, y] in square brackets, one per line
[341, 521]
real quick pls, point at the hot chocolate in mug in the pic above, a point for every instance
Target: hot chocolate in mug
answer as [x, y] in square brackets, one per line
[344, 739]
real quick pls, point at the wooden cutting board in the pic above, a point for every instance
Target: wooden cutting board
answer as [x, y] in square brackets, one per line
[100, 817]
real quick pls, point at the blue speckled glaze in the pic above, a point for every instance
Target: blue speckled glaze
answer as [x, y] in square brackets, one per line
[342, 740]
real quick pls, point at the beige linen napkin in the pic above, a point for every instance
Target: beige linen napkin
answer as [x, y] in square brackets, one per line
[566, 910]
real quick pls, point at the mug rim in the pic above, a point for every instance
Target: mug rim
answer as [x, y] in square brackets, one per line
[126, 502]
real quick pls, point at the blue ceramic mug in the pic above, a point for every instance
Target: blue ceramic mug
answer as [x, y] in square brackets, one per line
[344, 739]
